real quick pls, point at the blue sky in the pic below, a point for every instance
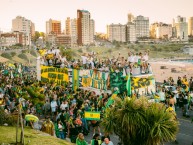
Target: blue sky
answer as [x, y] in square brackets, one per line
[102, 11]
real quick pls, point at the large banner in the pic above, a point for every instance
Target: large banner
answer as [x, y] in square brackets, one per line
[53, 74]
[118, 80]
[143, 84]
[94, 79]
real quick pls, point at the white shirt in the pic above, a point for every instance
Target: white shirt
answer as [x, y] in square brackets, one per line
[146, 57]
[63, 59]
[84, 59]
[1, 96]
[54, 104]
[50, 52]
[132, 58]
[57, 51]
[136, 58]
[63, 106]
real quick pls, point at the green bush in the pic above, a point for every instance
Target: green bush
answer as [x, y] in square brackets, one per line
[13, 54]
[7, 118]
[6, 55]
[36, 95]
[80, 50]
[32, 52]
[110, 51]
[24, 51]
[23, 56]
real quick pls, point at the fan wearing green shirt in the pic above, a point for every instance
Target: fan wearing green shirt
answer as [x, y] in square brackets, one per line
[80, 140]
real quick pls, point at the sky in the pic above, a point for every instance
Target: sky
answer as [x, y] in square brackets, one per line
[102, 11]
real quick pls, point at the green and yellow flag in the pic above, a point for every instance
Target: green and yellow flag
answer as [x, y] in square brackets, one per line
[75, 79]
[112, 98]
[128, 85]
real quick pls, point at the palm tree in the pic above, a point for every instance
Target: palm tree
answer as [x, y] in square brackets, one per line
[138, 122]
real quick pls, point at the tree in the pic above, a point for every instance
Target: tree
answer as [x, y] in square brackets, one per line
[36, 36]
[138, 122]
[42, 34]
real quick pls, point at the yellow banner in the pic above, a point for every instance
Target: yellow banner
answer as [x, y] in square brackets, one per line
[92, 115]
[86, 82]
[53, 74]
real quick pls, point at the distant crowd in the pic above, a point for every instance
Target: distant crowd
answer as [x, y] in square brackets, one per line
[134, 63]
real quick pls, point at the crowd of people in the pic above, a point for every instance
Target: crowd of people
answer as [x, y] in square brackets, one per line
[63, 108]
[54, 57]
[177, 94]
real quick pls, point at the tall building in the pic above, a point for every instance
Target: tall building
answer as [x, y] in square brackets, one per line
[180, 28]
[130, 32]
[161, 31]
[190, 26]
[73, 31]
[141, 26]
[32, 29]
[68, 21]
[92, 30]
[53, 26]
[21, 24]
[116, 32]
[84, 27]
[130, 17]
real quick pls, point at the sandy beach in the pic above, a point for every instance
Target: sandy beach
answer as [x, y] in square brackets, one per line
[165, 69]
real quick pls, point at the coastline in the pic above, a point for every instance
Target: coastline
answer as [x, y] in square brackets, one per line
[163, 69]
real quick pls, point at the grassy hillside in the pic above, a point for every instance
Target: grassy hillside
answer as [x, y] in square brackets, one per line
[156, 51]
[32, 137]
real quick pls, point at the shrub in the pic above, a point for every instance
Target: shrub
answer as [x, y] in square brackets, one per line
[32, 52]
[24, 51]
[13, 54]
[36, 95]
[110, 50]
[80, 50]
[6, 55]
[7, 118]
[23, 56]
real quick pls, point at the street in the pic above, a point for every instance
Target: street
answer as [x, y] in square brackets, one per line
[184, 137]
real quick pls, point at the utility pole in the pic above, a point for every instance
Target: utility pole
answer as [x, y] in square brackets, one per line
[29, 46]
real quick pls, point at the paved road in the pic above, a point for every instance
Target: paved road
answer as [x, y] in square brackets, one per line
[184, 137]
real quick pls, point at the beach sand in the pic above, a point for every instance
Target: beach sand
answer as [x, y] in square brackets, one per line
[179, 69]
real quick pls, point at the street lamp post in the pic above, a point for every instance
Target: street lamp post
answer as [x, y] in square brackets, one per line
[29, 46]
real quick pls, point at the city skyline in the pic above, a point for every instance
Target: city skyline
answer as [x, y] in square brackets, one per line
[103, 12]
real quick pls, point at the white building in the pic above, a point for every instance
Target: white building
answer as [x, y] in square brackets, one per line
[8, 39]
[92, 30]
[161, 31]
[21, 24]
[85, 30]
[116, 32]
[164, 31]
[131, 33]
[141, 26]
[71, 30]
[190, 26]
[180, 28]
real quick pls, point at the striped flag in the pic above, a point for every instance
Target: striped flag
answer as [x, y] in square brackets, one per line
[112, 98]
[75, 79]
